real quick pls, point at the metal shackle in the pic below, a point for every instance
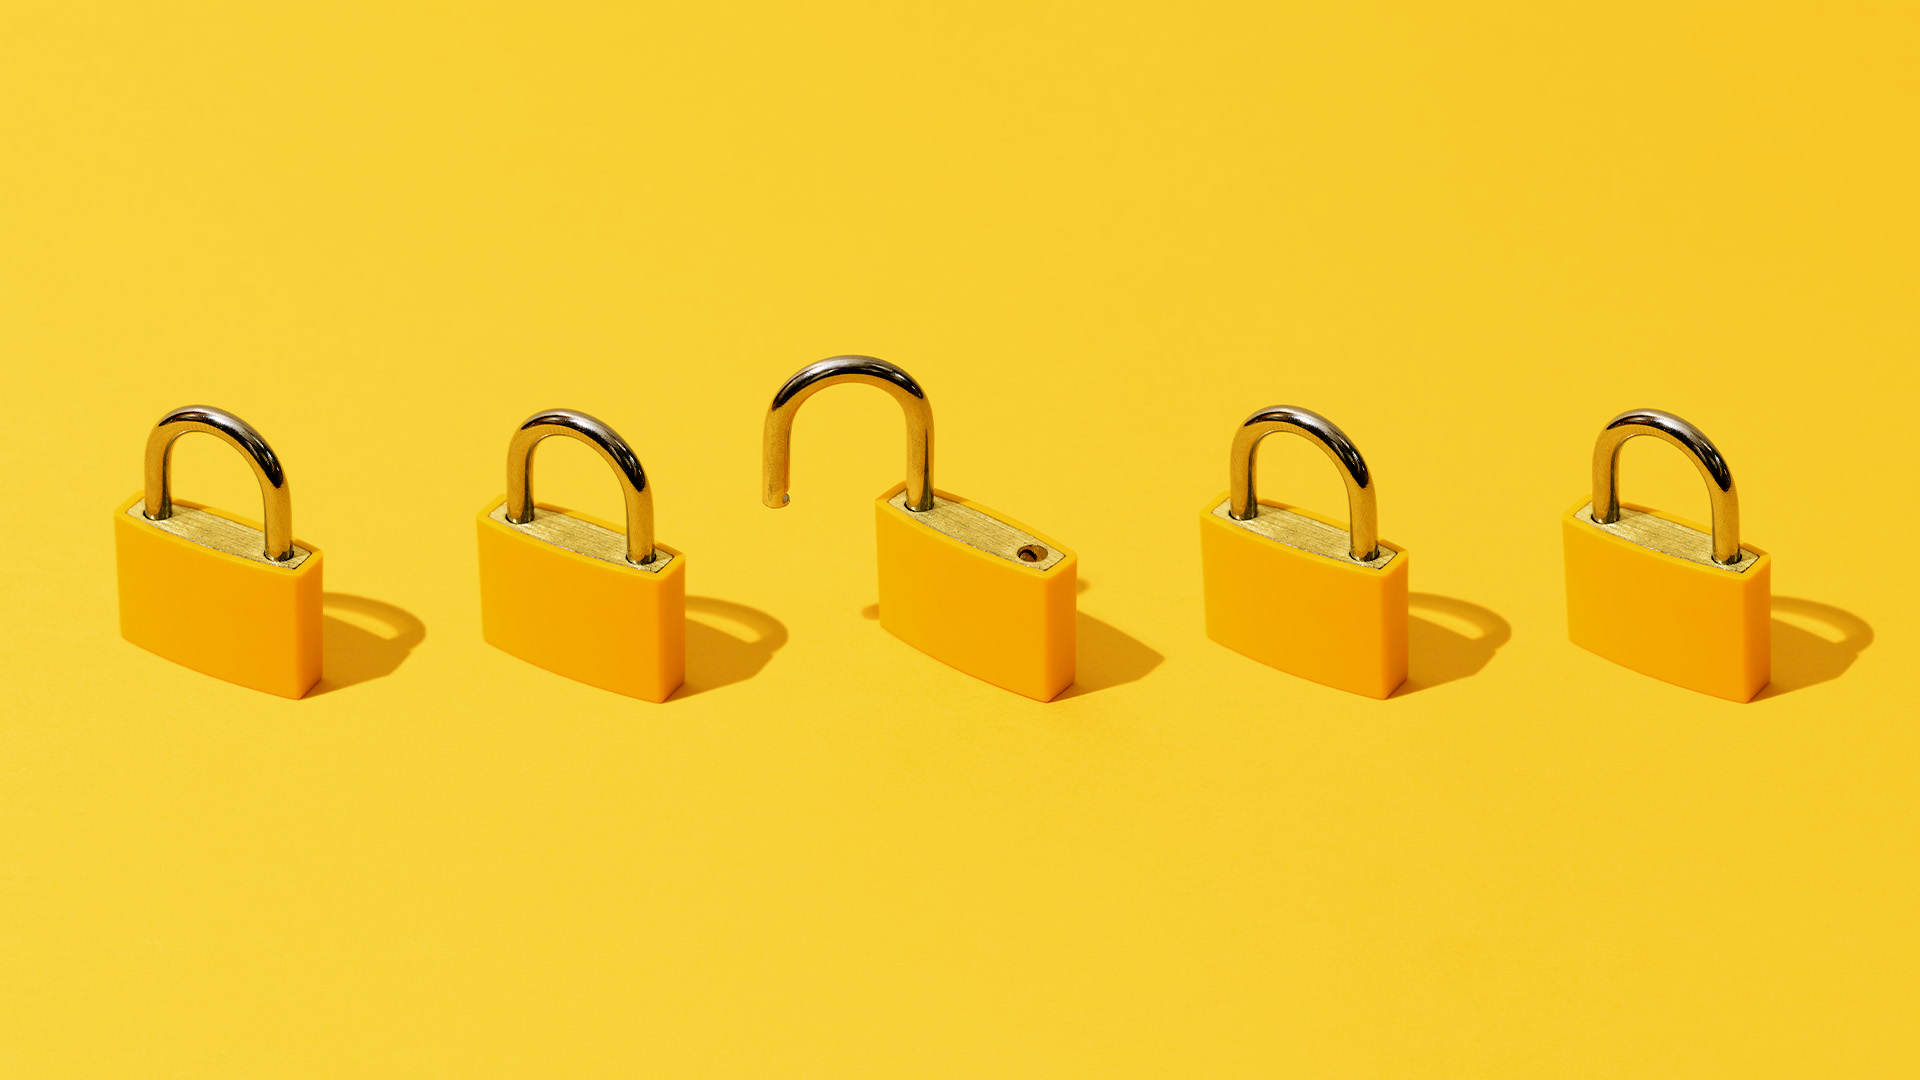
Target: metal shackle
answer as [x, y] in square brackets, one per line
[277, 511]
[1362, 510]
[1692, 442]
[776, 457]
[611, 447]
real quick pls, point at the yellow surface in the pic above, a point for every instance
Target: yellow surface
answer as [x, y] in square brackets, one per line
[219, 614]
[1011, 625]
[1339, 624]
[1696, 626]
[1095, 233]
[615, 627]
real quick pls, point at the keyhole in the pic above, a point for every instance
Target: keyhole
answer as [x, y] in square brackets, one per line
[1032, 553]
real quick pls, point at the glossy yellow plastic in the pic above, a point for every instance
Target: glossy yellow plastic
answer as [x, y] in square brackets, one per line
[1702, 627]
[614, 626]
[995, 619]
[246, 621]
[1329, 620]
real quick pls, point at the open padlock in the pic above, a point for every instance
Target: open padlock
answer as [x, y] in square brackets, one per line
[1294, 590]
[222, 595]
[958, 581]
[572, 593]
[1658, 594]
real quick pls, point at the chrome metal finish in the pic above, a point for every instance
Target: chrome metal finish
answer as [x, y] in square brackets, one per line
[583, 537]
[776, 445]
[222, 534]
[611, 447]
[1692, 442]
[1667, 537]
[983, 532]
[1311, 535]
[1362, 509]
[277, 503]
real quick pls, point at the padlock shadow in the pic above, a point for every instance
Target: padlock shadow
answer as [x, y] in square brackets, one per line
[1438, 652]
[716, 657]
[1805, 656]
[350, 652]
[1106, 656]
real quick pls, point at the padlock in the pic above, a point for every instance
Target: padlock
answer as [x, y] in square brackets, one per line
[959, 582]
[1295, 590]
[1658, 594]
[570, 592]
[219, 594]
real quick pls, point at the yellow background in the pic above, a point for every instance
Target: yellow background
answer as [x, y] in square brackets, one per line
[1100, 234]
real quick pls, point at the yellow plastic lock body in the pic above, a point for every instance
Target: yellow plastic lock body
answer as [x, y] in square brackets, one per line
[602, 621]
[1334, 621]
[993, 617]
[1703, 627]
[244, 620]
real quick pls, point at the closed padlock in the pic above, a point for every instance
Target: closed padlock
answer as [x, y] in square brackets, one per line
[1294, 590]
[220, 594]
[958, 581]
[1658, 594]
[570, 592]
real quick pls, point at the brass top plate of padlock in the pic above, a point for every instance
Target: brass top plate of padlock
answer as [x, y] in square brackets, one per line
[582, 538]
[982, 532]
[1667, 537]
[1311, 535]
[224, 535]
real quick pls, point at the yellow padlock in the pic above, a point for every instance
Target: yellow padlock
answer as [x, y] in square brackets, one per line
[222, 595]
[958, 581]
[1658, 594]
[570, 592]
[1294, 590]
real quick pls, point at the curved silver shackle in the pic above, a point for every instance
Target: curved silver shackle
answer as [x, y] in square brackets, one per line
[776, 456]
[277, 511]
[1362, 510]
[1692, 442]
[611, 447]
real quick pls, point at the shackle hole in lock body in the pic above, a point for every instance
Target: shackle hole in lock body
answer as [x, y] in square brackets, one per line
[614, 450]
[1691, 441]
[276, 499]
[1243, 504]
[776, 448]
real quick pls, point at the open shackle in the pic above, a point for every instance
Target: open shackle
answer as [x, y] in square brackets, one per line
[610, 446]
[1692, 442]
[277, 510]
[1362, 510]
[776, 456]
